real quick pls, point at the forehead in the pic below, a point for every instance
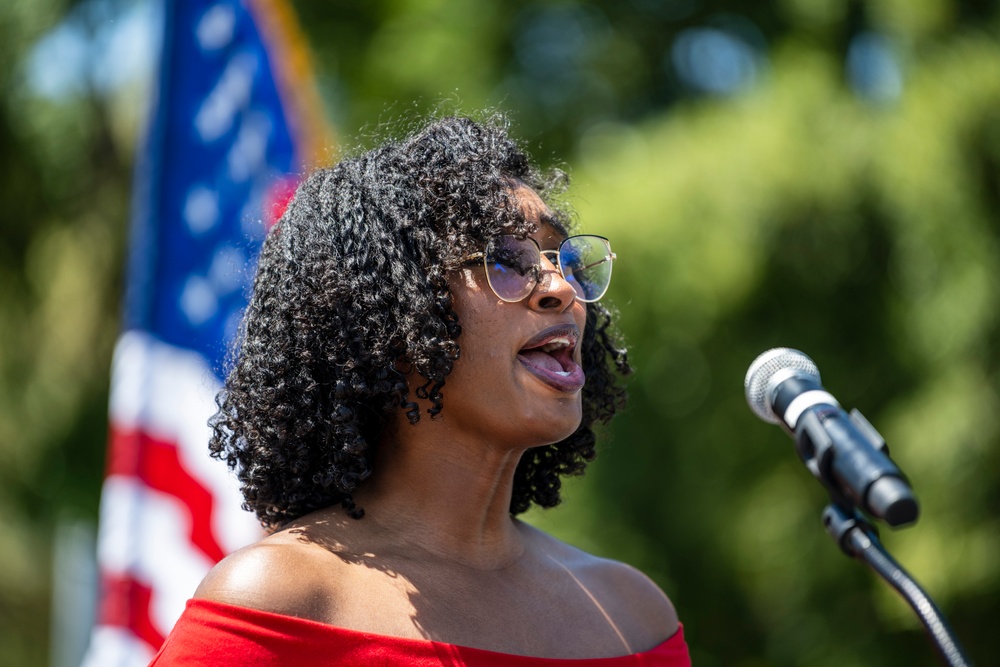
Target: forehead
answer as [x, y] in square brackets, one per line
[548, 227]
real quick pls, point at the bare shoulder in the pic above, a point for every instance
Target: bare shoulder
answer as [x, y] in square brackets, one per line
[277, 574]
[633, 601]
[635, 592]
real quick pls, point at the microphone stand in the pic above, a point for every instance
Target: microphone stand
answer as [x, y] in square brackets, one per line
[853, 533]
[859, 539]
[850, 458]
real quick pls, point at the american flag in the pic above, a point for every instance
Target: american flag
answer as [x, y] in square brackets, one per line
[227, 136]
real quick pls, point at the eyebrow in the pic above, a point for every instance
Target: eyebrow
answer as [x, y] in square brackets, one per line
[556, 222]
[554, 239]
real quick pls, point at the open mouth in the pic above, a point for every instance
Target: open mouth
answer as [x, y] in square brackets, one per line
[549, 357]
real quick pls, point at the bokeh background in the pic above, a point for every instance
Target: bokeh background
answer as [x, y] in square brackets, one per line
[818, 174]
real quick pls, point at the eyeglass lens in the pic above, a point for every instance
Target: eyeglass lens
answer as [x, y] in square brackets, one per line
[513, 266]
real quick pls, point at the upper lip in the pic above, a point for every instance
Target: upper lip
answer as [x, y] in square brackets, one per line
[565, 335]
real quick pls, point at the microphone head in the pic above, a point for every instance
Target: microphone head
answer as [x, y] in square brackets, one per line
[768, 371]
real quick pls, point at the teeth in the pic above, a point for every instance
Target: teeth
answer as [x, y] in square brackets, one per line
[555, 344]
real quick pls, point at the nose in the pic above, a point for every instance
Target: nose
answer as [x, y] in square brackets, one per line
[553, 291]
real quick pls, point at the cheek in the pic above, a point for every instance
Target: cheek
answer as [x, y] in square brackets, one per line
[482, 322]
[482, 342]
[478, 309]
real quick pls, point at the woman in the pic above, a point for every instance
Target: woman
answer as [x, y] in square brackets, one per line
[423, 357]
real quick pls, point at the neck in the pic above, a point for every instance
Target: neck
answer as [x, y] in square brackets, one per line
[449, 497]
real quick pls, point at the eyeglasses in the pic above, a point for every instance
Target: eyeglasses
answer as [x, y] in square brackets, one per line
[513, 265]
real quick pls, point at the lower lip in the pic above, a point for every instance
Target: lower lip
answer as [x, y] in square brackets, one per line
[568, 384]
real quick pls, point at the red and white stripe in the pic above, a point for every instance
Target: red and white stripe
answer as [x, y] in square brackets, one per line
[168, 510]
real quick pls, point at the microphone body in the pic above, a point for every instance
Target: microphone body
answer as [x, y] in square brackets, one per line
[842, 450]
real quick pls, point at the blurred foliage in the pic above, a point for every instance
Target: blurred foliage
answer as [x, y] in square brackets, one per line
[64, 180]
[864, 234]
[818, 174]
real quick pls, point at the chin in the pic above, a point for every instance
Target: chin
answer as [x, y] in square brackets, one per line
[554, 428]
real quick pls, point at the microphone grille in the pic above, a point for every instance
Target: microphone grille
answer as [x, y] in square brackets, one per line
[770, 368]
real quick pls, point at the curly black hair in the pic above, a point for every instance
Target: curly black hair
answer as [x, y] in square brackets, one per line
[352, 290]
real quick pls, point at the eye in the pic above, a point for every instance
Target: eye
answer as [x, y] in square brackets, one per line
[511, 259]
[508, 253]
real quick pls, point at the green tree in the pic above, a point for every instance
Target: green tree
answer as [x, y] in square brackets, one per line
[864, 234]
[64, 180]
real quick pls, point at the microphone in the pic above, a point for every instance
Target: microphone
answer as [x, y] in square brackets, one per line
[843, 451]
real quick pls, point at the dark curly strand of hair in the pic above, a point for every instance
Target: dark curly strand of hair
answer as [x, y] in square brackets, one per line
[351, 290]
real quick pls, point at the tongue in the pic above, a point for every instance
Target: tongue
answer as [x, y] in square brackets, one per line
[542, 360]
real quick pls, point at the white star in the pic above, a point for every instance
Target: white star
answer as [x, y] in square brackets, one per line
[201, 209]
[198, 300]
[250, 148]
[215, 29]
[228, 269]
[230, 96]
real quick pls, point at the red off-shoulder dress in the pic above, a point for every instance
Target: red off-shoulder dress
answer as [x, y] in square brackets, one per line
[212, 634]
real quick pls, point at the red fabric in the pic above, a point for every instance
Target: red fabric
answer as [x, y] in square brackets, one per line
[125, 603]
[157, 463]
[211, 634]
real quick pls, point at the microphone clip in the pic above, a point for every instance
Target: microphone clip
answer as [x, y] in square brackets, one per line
[855, 467]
